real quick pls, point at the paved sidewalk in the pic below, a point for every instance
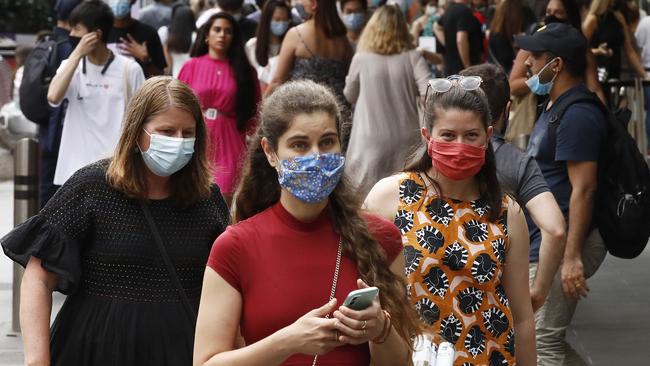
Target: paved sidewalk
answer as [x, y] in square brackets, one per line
[611, 327]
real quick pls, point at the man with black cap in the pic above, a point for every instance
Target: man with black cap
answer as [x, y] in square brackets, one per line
[569, 165]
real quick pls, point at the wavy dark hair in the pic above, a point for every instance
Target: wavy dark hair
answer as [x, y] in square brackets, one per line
[259, 189]
[328, 20]
[245, 104]
[181, 29]
[476, 102]
[264, 30]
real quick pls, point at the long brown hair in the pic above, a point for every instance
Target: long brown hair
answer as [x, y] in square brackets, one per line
[328, 20]
[264, 30]
[508, 19]
[476, 102]
[386, 32]
[259, 189]
[126, 169]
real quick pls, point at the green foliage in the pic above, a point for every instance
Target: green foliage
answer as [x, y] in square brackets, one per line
[26, 16]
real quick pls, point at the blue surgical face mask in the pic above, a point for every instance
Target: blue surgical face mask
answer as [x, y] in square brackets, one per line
[354, 21]
[538, 87]
[279, 28]
[167, 155]
[311, 178]
[120, 8]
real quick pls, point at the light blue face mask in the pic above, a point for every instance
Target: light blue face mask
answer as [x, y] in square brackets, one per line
[313, 177]
[279, 28]
[354, 21]
[167, 155]
[120, 8]
[538, 87]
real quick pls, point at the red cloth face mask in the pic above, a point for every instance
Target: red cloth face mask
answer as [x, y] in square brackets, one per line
[456, 160]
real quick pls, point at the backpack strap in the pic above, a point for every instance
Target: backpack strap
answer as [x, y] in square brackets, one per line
[560, 108]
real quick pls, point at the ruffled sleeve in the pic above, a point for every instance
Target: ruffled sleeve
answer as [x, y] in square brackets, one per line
[59, 254]
[56, 234]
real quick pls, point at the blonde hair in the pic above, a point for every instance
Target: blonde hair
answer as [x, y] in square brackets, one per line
[599, 7]
[386, 32]
[126, 170]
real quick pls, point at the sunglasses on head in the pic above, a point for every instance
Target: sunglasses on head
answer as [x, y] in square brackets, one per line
[443, 85]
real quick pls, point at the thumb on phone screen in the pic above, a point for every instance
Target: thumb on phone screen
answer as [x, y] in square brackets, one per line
[325, 309]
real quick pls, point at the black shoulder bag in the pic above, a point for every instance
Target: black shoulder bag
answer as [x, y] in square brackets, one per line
[170, 267]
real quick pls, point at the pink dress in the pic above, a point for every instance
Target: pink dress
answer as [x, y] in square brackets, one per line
[214, 83]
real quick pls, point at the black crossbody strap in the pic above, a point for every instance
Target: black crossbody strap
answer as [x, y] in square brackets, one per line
[170, 267]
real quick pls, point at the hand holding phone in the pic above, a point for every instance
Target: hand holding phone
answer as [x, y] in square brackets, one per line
[361, 299]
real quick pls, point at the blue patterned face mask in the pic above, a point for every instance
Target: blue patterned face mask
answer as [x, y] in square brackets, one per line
[311, 178]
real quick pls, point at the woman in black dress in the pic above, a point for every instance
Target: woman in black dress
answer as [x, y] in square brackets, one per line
[93, 243]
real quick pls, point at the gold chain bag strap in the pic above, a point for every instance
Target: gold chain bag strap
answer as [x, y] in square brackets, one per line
[334, 281]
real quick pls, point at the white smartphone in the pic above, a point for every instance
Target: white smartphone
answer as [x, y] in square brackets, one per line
[361, 299]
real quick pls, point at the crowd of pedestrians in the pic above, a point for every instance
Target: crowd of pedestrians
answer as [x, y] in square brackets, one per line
[216, 177]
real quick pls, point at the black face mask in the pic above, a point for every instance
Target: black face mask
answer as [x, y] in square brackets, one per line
[74, 41]
[553, 19]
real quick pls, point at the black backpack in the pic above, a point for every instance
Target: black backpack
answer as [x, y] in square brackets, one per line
[622, 202]
[40, 66]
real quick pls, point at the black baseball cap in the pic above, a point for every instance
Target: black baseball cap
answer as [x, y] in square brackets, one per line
[562, 40]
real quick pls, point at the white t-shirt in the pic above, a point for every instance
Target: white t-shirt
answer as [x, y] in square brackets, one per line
[264, 73]
[163, 34]
[642, 36]
[178, 59]
[96, 105]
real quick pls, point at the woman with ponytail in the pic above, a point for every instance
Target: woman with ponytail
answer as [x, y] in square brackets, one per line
[466, 244]
[299, 245]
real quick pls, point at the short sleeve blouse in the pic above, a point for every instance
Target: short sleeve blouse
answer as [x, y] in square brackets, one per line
[284, 268]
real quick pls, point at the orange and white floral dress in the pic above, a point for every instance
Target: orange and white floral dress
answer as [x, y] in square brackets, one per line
[454, 261]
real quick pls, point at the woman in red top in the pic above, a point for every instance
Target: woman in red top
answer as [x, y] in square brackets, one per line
[299, 246]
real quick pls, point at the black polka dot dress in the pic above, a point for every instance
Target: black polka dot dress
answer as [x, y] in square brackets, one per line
[122, 308]
[454, 262]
